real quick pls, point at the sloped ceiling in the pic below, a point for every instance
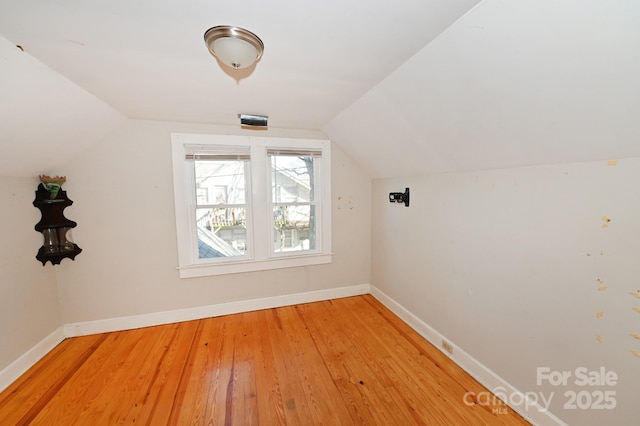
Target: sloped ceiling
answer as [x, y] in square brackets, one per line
[405, 87]
[512, 83]
[44, 118]
[147, 58]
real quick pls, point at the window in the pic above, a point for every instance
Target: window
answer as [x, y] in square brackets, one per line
[220, 207]
[293, 199]
[246, 204]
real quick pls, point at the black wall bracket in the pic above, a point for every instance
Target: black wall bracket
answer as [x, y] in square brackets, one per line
[400, 197]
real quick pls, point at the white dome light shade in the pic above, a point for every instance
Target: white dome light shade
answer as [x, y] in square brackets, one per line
[233, 46]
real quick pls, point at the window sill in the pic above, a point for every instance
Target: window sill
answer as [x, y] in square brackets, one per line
[192, 271]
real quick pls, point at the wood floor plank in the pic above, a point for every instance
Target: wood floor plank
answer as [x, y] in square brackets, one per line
[157, 402]
[194, 385]
[270, 404]
[319, 387]
[361, 388]
[121, 390]
[417, 381]
[381, 356]
[44, 380]
[242, 390]
[374, 379]
[216, 403]
[296, 406]
[344, 362]
[88, 383]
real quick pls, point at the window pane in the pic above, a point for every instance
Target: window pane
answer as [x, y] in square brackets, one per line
[292, 178]
[220, 182]
[222, 232]
[294, 228]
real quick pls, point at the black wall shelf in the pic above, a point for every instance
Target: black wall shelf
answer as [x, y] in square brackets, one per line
[54, 227]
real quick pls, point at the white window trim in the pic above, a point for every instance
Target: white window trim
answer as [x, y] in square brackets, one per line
[259, 256]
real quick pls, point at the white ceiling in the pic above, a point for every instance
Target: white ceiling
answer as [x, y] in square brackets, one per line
[511, 83]
[406, 87]
[45, 119]
[147, 58]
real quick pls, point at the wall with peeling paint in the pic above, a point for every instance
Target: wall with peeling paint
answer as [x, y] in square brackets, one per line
[523, 268]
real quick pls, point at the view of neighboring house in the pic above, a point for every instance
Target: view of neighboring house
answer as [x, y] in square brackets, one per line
[222, 210]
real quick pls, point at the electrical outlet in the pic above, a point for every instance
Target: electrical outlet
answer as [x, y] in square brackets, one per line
[447, 347]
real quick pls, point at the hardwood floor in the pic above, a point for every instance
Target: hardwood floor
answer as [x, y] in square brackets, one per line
[339, 362]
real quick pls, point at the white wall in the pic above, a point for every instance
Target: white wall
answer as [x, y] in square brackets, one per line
[507, 263]
[123, 202]
[29, 309]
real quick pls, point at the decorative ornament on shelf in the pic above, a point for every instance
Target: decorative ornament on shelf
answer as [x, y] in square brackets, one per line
[52, 184]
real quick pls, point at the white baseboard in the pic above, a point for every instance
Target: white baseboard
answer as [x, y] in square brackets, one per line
[158, 318]
[534, 414]
[18, 367]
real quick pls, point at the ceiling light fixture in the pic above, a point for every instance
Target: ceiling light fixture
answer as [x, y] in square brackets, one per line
[233, 46]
